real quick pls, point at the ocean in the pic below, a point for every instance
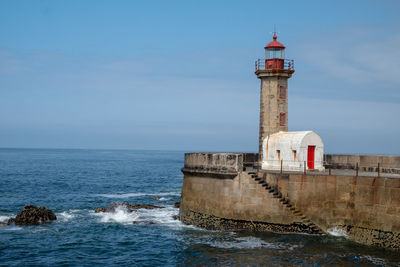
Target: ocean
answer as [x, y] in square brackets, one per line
[73, 183]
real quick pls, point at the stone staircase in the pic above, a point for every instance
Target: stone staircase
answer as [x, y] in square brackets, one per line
[286, 203]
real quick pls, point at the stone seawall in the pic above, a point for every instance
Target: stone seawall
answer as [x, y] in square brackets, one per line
[218, 194]
[387, 164]
[367, 208]
[234, 203]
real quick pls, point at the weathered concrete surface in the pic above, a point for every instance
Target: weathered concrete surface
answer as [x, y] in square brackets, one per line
[217, 203]
[219, 162]
[367, 208]
[388, 164]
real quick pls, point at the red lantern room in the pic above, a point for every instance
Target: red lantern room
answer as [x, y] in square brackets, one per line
[274, 55]
[275, 59]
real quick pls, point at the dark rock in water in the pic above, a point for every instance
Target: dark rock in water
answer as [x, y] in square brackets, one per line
[100, 210]
[32, 215]
[175, 217]
[128, 207]
[3, 224]
[177, 204]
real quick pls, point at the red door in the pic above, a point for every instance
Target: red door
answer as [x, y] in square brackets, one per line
[311, 157]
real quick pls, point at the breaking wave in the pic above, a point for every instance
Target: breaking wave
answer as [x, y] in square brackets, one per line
[4, 218]
[140, 216]
[66, 216]
[335, 231]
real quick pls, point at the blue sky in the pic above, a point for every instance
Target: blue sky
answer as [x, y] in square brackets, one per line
[180, 74]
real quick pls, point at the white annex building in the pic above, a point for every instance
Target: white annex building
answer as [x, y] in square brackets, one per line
[293, 150]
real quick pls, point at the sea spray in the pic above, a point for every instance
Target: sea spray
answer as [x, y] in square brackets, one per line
[336, 231]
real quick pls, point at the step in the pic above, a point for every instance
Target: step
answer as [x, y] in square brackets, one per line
[257, 178]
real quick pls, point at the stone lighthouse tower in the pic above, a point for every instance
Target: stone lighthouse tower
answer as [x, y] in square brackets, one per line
[274, 72]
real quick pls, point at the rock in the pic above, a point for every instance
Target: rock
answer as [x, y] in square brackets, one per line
[177, 204]
[100, 210]
[128, 207]
[175, 217]
[32, 215]
[3, 224]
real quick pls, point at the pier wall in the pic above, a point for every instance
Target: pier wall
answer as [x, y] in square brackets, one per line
[218, 194]
[222, 196]
[387, 164]
[366, 208]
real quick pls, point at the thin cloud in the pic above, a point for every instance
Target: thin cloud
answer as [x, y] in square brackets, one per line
[354, 58]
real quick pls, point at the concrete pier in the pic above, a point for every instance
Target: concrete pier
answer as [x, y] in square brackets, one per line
[223, 191]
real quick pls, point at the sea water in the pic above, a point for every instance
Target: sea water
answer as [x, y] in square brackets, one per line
[73, 183]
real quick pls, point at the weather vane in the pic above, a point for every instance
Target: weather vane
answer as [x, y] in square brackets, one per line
[274, 32]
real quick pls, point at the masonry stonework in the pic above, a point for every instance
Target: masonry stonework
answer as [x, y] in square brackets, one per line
[273, 102]
[218, 194]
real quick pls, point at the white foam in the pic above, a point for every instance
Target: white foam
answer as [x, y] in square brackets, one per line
[250, 242]
[66, 216]
[142, 216]
[335, 231]
[12, 228]
[164, 199]
[128, 195]
[4, 218]
[120, 215]
[161, 216]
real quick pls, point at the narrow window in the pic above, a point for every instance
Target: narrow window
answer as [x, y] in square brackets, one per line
[294, 155]
[278, 153]
[282, 119]
[282, 92]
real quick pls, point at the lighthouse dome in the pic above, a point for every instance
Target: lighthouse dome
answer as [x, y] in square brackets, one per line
[274, 44]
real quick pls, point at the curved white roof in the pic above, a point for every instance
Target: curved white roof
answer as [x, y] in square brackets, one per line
[294, 139]
[293, 151]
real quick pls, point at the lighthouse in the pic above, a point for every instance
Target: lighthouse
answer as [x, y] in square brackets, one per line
[274, 72]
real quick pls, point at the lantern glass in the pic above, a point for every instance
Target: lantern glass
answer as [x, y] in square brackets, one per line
[274, 53]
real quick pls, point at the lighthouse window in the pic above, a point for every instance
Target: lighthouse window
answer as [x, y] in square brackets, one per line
[282, 92]
[282, 119]
[275, 53]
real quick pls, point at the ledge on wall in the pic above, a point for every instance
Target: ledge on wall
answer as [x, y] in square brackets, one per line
[210, 173]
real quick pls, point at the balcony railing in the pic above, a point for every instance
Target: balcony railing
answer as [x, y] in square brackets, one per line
[288, 64]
